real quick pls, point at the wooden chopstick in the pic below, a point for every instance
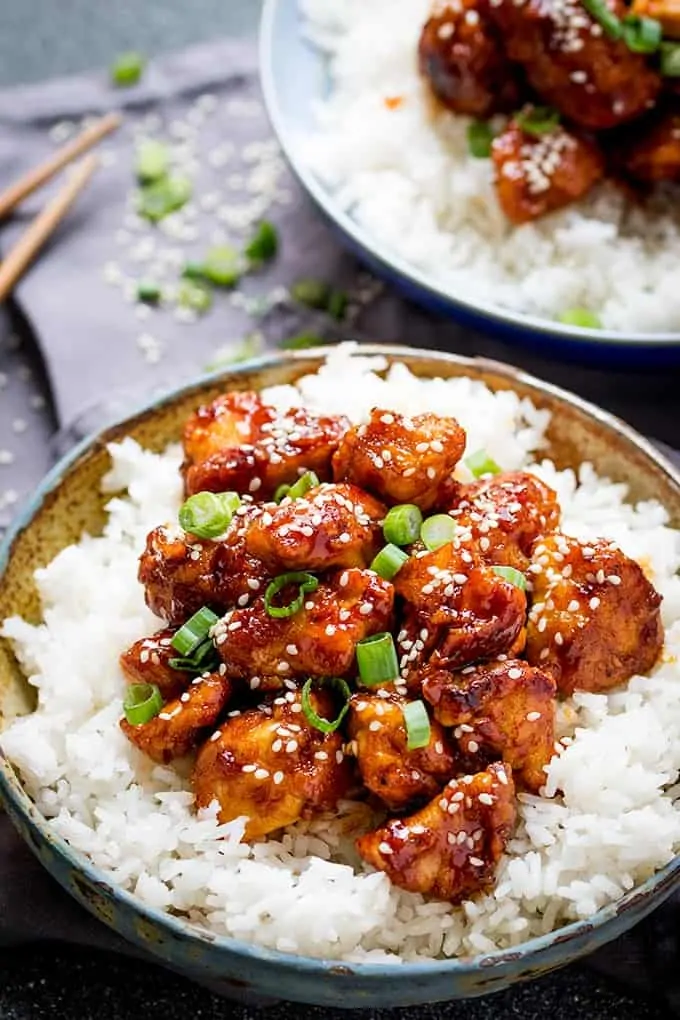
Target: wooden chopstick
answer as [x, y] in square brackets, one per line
[45, 222]
[18, 191]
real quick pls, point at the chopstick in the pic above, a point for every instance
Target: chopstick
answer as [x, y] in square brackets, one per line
[45, 222]
[27, 184]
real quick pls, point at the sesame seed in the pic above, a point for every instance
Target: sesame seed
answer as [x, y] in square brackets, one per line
[374, 726]
[476, 862]
[515, 673]
[291, 746]
[216, 736]
[261, 773]
[439, 747]
[559, 640]
[485, 798]
[533, 716]
[248, 768]
[473, 746]
[594, 602]
[278, 778]
[321, 756]
[365, 608]
[292, 649]
[573, 606]
[385, 848]
[339, 756]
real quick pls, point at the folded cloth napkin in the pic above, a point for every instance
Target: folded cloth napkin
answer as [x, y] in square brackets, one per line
[103, 354]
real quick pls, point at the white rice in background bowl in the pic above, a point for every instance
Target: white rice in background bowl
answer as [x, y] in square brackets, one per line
[614, 823]
[408, 179]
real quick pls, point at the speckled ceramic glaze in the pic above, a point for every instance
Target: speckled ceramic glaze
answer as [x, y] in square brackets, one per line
[68, 501]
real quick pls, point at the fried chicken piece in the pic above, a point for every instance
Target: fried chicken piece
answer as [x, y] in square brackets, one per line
[181, 725]
[182, 573]
[401, 459]
[458, 611]
[318, 640]
[147, 662]
[505, 514]
[665, 11]
[271, 765]
[461, 57]
[332, 526]
[451, 847]
[573, 64]
[288, 446]
[502, 709]
[595, 618]
[401, 778]
[229, 421]
[651, 153]
[537, 174]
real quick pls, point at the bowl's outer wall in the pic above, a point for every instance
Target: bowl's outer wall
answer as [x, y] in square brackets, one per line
[69, 502]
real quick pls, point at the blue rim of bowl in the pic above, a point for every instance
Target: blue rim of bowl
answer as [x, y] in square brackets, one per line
[389, 260]
[12, 789]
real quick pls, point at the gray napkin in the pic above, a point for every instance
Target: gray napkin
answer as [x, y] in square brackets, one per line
[101, 358]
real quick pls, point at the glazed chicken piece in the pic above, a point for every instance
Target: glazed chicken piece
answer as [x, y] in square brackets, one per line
[665, 11]
[147, 661]
[462, 59]
[504, 515]
[451, 847]
[571, 62]
[502, 709]
[318, 640]
[537, 174]
[652, 153]
[230, 420]
[401, 459]
[332, 526]
[401, 778]
[458, 611]
[182, 573]
[271, 765]
[181, 725]
[595, 617]
[288, 446]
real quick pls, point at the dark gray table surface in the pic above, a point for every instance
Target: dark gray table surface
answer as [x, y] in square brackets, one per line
[38, 39]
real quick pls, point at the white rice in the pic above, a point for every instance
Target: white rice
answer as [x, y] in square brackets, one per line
[614, 825]
[406, 176]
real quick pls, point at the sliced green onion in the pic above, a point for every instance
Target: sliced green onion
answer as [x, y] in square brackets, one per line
[307, 582]
[512, 575]
[480, 463]
[437, 531]
[152, 160]
[160, 198]
[599, 10]
[127, 68]
[311, 293]
[149, 292]
[641, 34]
[670, 59]
[204, 659]
[305, 482]
[537, 120]
[337, 303]
[281, 492]
[223, 266]
[302, 340]
[208, 514]
[248, 348]
[264, 244]
[389, 561]
[194, 295]
[142, 703]
[402, 524]
[377, 660]
[417, 723]
[480, 135]
[193, 271]
[317, 721]
[580, 317]
[194, 632]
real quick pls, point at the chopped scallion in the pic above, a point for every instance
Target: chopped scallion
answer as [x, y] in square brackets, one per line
[301, 341]
[480, 463]
[377, 660]
[306, 583]
[312, 717]
[670, 59]
[480, 135]
[580, 317]
[223, 266]
[142, 703]
[512, 575]
[599, 10]
[193, 270]
[537, 120]
[311, 293]
[162, 197]
[149, 292]
[203, 659]
[194, 295]
[194, 632]
[152, 160]
[281, 492]
[437, 531]
[309, 480]
[248, 348]
[417, 723]
[402, 524]
[127, 68]
[209, 514]
[337, 304]
[641, 34]
[389, 561]
[264, 244]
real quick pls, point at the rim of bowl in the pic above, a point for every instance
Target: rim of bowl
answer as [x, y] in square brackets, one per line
[13, 790]
[389, 259]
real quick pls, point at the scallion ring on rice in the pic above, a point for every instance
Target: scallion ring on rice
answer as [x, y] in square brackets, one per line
[480, 463]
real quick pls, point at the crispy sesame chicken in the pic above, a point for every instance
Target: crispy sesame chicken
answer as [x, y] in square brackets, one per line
[272, 766]
[667, 12]
[595, 618]
[227, 422]
[573, 63]
[147, 661]
[651, 152]
[401, 459]
[537, 174]
[504, 515]
[318, 640]
[451, 847]
[399, 777]
[500, 709]
[182, 724]
[461, 57]
[286, 447]
[331, 526]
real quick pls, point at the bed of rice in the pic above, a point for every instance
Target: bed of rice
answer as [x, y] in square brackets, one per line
[408, 179]
[614, 823]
